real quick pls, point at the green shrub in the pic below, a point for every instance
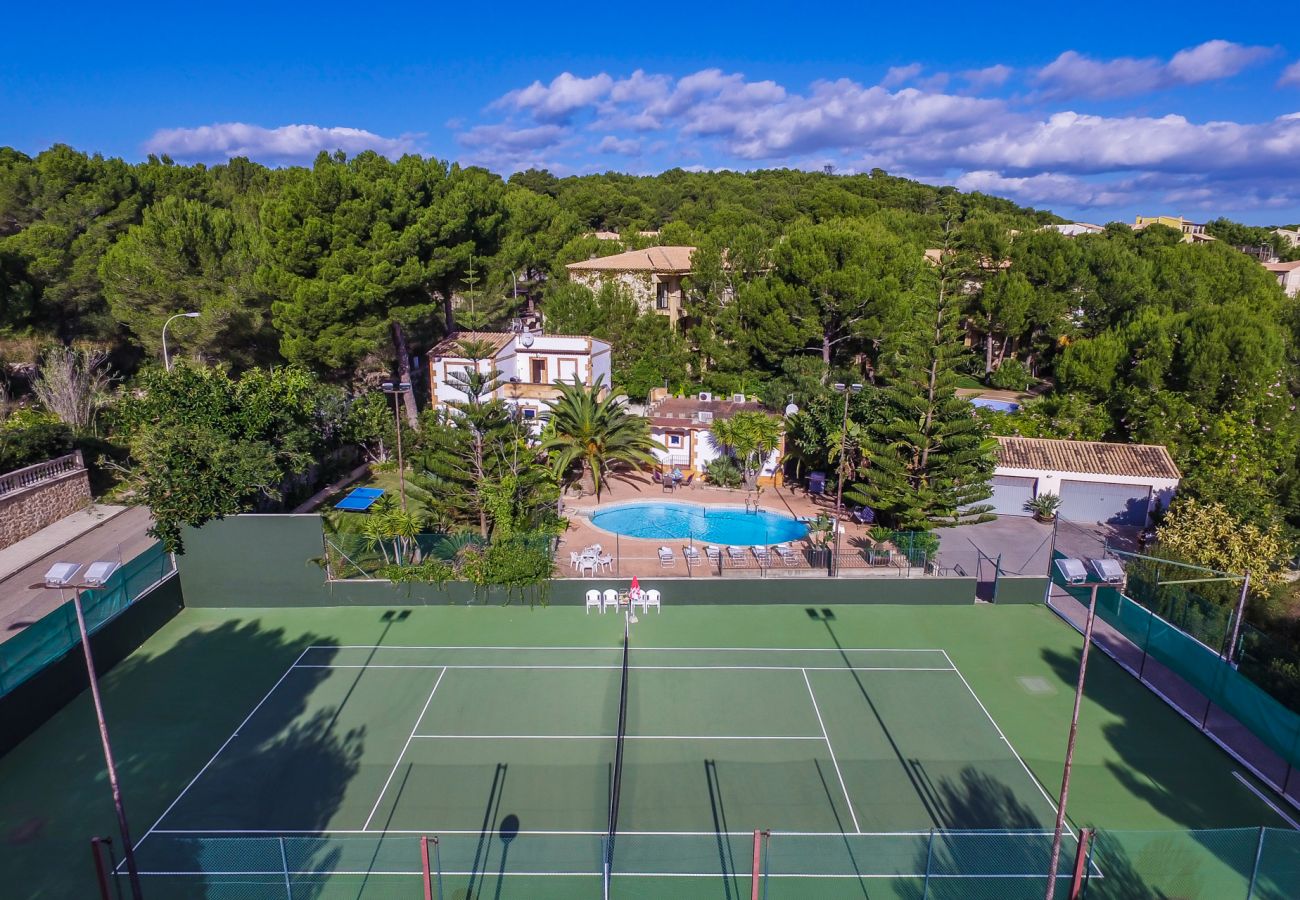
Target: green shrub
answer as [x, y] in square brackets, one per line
[724, 472]
[1010, 376]
[29, 437]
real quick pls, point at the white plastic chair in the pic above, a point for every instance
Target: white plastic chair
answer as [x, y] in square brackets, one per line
[606, 562]
[593, 600]
[573, 560]
[588, 563]
[611, 599]
[649, 599]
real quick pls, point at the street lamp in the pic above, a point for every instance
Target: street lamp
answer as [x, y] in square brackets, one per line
[61, 576]
[846, 390]
[1108, 573]
[397, 389]
[167, 362]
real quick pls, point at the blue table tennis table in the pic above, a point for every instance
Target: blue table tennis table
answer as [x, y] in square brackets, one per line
[360, 499]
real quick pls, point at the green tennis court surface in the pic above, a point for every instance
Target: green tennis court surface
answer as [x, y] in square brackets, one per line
[303, 753]
[720, 742]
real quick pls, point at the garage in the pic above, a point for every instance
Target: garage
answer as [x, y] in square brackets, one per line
[1105, 502]
[1116, 485]
[1010, 494]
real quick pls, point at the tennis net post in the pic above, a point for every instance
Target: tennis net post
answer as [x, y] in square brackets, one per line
[616, 783]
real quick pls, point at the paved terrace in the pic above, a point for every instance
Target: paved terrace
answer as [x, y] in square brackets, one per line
[634, 556]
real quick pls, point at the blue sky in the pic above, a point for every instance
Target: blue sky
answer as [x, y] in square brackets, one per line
[1096, 110]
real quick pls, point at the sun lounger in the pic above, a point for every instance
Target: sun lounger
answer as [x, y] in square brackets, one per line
[692, 556]
[764, 558]
[787, 554]
[666, 558]
[736, 555]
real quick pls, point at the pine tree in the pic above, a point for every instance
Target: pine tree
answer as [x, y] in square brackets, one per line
[929, 459]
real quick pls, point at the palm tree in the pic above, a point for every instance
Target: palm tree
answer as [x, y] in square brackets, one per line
[751, 436]
[595, 433]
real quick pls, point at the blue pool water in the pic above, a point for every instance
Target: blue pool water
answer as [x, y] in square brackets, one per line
[706, 524]
[998, 405]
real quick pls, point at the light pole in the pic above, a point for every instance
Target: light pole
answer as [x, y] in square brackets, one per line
[1076, 575]
[397, 389]
[61, 576]
[846, 390]
[167, 362]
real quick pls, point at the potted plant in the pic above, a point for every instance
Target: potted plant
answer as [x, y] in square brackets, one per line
[1044, 506]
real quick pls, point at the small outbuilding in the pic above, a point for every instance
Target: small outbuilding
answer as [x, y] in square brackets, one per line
[1111, 484]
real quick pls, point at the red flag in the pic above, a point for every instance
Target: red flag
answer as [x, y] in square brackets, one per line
[636, 585]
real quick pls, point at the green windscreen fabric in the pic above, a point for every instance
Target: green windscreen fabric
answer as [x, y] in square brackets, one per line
[49, 638]
[1201, 667]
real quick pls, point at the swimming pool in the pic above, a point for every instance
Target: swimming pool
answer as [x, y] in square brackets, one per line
[664, 521]
[1005, 406]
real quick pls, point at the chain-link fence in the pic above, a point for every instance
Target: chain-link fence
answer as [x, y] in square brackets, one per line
[1213, 864]
[1177, 639]
[50, 637]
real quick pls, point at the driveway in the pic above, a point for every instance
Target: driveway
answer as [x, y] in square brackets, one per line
[121, 537]
[1023, 544]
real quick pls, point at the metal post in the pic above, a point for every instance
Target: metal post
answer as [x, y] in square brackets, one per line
[767, 860]
[424, 866]
[1254, 872]
[167, 362]
[132, 873]
[1230, 651]
[1051, 553]
[284, 861]
[1082, 853]
[1069, 747]
[929, 855]
[401, 467]
[100, 874]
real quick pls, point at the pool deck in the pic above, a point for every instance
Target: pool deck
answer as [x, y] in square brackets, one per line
[637, 556]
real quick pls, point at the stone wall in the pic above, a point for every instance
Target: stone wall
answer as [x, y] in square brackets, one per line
[25, 512]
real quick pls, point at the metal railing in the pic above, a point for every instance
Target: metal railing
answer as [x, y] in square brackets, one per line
[30, 476]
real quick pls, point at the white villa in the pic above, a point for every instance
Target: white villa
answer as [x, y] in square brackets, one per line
[684, 426]
[530, 364]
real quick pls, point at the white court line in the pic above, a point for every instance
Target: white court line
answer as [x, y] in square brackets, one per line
[616, 649]
[236, 833]
[1019, 759]
[233, 735]
[467, 874]
[831, 749]
[398, 762]
[611, 737]
[619, 666]
[1260, 794]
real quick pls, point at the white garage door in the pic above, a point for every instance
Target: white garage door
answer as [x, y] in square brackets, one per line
[1111, 504]
[1010, 494]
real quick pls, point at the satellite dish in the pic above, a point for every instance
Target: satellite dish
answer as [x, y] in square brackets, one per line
[526, 339]
[791, 409]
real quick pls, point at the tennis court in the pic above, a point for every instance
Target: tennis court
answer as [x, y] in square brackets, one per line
[510, 756]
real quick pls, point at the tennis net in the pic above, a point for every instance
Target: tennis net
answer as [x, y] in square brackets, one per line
[617, 781]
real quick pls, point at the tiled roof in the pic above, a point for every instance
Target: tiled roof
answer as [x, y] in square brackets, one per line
[1283, 266]
[680, 411]
[651, 259]
[450, 345]
[1092, 457]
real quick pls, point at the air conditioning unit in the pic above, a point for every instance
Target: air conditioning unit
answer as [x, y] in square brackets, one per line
[737, 398]
[705, 396]
[704, 417]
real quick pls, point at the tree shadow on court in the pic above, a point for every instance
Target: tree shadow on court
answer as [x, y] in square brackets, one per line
[1163, 759]
[1016, 849]
[170, 707]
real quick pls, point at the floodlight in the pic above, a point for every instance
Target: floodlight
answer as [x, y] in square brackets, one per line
[1107, 570]
[1072, 570]
[61, 574]
[99, 572]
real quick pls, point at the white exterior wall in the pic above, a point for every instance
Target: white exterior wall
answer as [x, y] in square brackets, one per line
[1049, 482]
[1290, 282]
[702, 450]
[564, 357]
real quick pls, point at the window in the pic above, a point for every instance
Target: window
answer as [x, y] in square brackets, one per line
[530, 413]
[538, 370]
[568, 370]
[674, 440]
[661, 295]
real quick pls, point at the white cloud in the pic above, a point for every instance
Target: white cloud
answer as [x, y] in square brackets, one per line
[288, 143]
[622, 146]
[1044, 189]
[988, 77]
[899, 75]
[1290, 76]
[562, 96]
[1213, 60]
[1074, 75]
[506, 137]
